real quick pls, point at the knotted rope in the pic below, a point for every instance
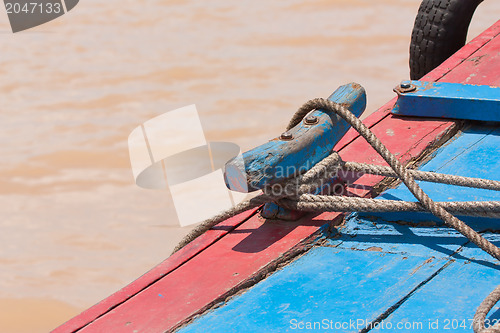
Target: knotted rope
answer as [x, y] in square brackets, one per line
[297, 195]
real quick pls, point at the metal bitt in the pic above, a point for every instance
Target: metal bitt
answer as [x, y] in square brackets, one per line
[295, 151]
[448, 100]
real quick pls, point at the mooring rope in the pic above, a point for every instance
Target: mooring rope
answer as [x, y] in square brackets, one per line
[298, 195]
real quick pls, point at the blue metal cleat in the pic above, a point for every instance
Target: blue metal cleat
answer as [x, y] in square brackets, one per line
[295, 151]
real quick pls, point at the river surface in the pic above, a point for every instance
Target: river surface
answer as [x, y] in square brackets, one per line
[74, 226]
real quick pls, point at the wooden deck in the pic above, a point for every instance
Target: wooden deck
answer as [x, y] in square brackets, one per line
[244, 249]
[402, 269]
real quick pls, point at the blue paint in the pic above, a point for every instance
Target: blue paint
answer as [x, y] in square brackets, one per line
[450, 299]
[449, 100]
[474, 153]
[280, 159]
[416, 272]
[273, 211]
[324, 284]
[362, 233]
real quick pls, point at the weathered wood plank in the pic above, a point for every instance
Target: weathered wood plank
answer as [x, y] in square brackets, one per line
[205, 278]
[448, 301]
[410, 271]
[150, 277]
[460, 67]
[345, 287]
[472, 154]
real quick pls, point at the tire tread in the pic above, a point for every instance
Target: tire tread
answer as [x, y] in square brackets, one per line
[440, 30]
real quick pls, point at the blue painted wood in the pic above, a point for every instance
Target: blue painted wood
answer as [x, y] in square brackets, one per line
[326, 284]
[475, 153]
[356, 275]
[273, 211]
[449, 300]
[281, 159]
[448, 100]
[415, 273]
[364, 233]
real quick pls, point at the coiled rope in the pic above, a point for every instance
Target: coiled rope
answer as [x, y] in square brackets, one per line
[298, 195]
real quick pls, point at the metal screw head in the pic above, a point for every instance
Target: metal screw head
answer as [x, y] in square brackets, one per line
[311, 120]
[405, 87]
[286, 136]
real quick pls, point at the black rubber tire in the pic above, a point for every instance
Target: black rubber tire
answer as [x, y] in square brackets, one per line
[440, 30]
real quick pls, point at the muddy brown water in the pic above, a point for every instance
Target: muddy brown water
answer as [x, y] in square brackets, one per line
[74, 226]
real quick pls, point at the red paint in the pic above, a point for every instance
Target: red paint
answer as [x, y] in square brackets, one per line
[443, 73]
[208, 269]
[208, 276]
[418, 134]
[468, 51]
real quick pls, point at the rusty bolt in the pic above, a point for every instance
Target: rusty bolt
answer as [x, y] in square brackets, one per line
[286, 136]
[405, 87]
[311, 120]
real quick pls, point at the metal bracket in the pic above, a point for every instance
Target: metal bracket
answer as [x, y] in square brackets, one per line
[295, 151]
[448, 100]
